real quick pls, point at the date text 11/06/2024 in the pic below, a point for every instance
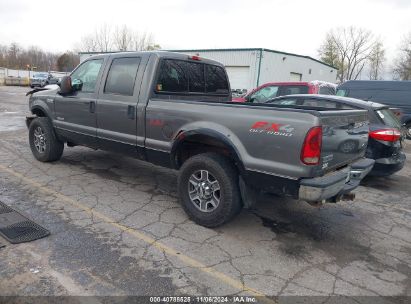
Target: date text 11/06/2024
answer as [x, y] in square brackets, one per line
[206, 299]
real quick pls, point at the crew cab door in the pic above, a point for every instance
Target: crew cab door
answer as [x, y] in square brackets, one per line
[75, 113]
[117, 102]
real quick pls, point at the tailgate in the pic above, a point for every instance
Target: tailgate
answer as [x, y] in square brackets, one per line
[345, 137]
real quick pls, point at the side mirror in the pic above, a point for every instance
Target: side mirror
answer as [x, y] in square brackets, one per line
[77, 85]
[247, 98]
[65, 85]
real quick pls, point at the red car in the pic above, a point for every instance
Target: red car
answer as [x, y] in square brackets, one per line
[274, 89]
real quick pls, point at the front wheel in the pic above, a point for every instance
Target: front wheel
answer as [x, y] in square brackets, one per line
[43, 141]
[209, 191]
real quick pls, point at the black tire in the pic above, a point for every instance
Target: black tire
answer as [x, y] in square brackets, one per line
[408, 132]
[223, 171]
[51, 148]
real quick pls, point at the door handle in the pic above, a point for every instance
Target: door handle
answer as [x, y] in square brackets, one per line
[131, 112]
[92, 106]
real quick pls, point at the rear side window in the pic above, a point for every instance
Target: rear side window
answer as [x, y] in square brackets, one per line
[292, 90]
[196, 80]
[122, 75]
[329, 104]
[285, 102]
[173, 77]
[389, 118]
[216, 80]
[178, 76]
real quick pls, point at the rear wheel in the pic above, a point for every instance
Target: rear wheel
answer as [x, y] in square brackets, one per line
[43, 141]
[209, 191]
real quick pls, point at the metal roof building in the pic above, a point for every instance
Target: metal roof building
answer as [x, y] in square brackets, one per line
[251, 67]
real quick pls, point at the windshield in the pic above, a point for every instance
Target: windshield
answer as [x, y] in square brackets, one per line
[389, 118]
[341, 92]
[264, 94]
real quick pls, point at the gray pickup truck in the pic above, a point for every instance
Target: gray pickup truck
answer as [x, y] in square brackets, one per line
[175, 110]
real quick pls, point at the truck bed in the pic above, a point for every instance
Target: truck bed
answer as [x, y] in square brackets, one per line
[267, 138]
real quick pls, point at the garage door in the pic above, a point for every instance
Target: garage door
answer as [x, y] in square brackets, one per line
[295, 76]
[239, 76]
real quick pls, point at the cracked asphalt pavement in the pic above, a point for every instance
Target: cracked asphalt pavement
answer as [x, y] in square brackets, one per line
[117, 228]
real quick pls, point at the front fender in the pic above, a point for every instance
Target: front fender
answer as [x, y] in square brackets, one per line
[42, 106]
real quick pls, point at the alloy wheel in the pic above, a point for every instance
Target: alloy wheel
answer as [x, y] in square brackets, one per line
[204, 191]
[40, 140]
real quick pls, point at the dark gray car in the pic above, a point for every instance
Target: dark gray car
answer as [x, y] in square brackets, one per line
[175, 110]
[395, 94]
[385, 141]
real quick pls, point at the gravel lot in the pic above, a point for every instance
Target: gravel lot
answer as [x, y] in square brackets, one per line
[117, 229]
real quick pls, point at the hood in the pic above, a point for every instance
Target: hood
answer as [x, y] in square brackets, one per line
[47, 90]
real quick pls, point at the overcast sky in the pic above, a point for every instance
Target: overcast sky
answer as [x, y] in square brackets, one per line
[297, 26]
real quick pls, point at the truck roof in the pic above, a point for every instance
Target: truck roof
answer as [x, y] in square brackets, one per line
[160, 54]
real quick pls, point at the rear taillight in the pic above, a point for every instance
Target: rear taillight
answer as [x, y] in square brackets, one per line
[386, 134]
[311, 151]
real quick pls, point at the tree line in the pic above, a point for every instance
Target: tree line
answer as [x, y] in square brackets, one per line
[103, 39]
[356, 51]
[14, 56]
[119, 38]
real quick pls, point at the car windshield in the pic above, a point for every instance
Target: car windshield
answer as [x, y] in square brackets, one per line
[389, 118]
[341, 92]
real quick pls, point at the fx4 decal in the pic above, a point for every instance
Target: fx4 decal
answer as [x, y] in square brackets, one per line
[156, 122]
[271, 128]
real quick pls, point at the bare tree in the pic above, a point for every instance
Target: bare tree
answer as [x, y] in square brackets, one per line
[145, 42]
[376, 61]
[402, 64]
[3, 55]
[88, 44]
[349, 50]
[122, 38]
[103, 38]
[13, 55]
